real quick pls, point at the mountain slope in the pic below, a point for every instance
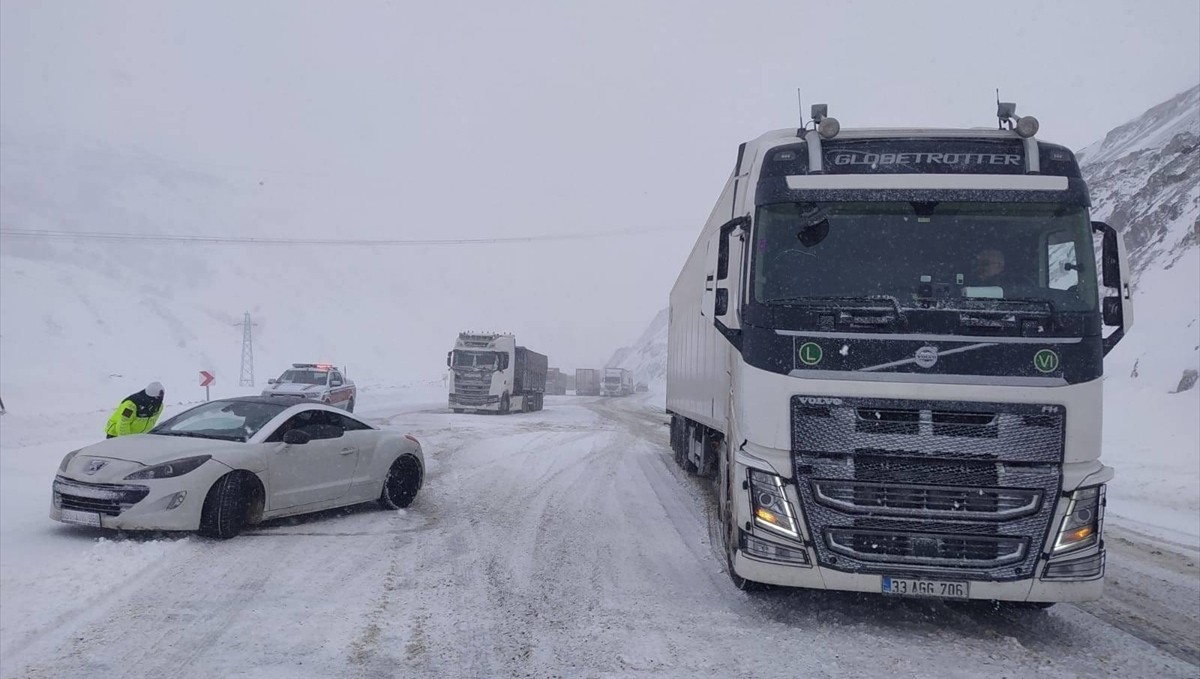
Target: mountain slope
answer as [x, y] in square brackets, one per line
[1144, 178]
[646, 358]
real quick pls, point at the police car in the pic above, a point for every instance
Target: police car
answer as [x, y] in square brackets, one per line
[317, 381]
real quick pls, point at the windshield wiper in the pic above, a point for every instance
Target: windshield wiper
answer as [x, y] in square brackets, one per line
[835, 299]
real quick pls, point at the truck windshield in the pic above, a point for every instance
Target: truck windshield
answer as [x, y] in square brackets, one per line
[475, 359]
[302, 377]
[918, 255]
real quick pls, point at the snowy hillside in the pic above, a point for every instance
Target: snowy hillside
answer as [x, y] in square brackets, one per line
[647, 357]
[1144, 178]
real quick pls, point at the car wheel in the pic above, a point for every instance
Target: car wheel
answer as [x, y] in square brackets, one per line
[224, 512]
[402, 483]
[350, 406]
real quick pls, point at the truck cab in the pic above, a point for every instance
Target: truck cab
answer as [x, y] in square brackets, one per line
[887, 345]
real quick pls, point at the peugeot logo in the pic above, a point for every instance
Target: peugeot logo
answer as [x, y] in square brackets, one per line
[95, 466]
[926, 356]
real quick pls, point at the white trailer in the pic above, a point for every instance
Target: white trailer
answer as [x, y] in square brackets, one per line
[887, 347]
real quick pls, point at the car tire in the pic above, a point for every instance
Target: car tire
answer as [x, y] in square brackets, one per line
[402, 483]
[350, 406]
[224, 513]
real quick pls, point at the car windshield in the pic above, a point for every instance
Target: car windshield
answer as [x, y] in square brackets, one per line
[475, 359]
[914, 254]
[303, 377]
[223, 420]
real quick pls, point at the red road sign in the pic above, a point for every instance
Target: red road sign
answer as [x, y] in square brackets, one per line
[206, 378]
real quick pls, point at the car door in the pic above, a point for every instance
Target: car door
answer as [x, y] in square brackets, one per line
[338, 393]
[313, 472]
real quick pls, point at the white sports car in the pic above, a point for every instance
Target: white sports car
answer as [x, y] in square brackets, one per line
[227, 464]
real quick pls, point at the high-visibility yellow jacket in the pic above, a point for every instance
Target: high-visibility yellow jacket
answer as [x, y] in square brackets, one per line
[137, 414]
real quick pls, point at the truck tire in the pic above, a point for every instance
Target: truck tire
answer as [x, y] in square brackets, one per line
[224, 511]
[459, 411]
[505, 405]
[729, 532]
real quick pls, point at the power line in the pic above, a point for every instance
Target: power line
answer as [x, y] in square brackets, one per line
[246, 240]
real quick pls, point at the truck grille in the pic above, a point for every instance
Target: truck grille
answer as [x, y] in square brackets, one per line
[987, 504]
[105, 498]
[897, 487]
[954, 551]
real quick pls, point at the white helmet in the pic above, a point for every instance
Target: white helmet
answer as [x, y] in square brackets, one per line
[154, 390]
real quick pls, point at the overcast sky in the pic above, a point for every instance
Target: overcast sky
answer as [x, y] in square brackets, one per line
[487, 118]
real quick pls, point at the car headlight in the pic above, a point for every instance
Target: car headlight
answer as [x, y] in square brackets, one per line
[771, 507]
[167, 470]
[67, 460]
[1081, 526]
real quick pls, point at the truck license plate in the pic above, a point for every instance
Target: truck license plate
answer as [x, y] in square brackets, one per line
[940, 589]
[82, 518]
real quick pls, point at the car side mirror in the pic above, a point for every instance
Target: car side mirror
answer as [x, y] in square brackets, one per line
[296, 437]
[1114, 312]
[271, 381]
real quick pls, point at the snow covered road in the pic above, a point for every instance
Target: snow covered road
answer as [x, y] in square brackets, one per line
[559, 543]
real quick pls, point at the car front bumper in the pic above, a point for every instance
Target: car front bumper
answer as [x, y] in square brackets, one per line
[158, 504]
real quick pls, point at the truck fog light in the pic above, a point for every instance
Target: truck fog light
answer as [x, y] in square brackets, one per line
[1087, 568]
[176, 499]
[770, 551]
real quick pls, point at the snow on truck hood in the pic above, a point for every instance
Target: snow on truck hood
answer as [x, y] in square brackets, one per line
[126, 454]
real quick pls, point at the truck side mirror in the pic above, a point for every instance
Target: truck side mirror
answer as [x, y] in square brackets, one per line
[449, 359]
[718, 284]
[1113, 312]
[1116, 310]
[1110, 256]
[721, 304]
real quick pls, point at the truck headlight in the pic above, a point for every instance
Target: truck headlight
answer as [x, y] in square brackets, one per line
[770, 505]
[1081, 526]
[170, 469]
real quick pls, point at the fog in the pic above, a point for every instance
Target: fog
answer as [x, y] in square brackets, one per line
[496, 120]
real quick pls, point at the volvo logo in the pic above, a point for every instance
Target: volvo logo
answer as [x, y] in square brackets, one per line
[818, 401]
[95, 466]
[926, 356]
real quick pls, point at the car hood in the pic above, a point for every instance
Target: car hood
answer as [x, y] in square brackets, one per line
[126, 454]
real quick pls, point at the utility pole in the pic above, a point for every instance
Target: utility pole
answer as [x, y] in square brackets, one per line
[247, 378]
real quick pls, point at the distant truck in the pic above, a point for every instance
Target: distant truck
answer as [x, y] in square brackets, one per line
[556, 382]
[489, 372]
[318, 381]
[587, 382]
[617, 382]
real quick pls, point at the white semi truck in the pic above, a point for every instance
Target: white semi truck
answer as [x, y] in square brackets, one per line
[489, 372]
[617, 382]
[887, 347]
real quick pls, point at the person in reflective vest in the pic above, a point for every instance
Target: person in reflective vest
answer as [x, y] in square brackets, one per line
[138, 413]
